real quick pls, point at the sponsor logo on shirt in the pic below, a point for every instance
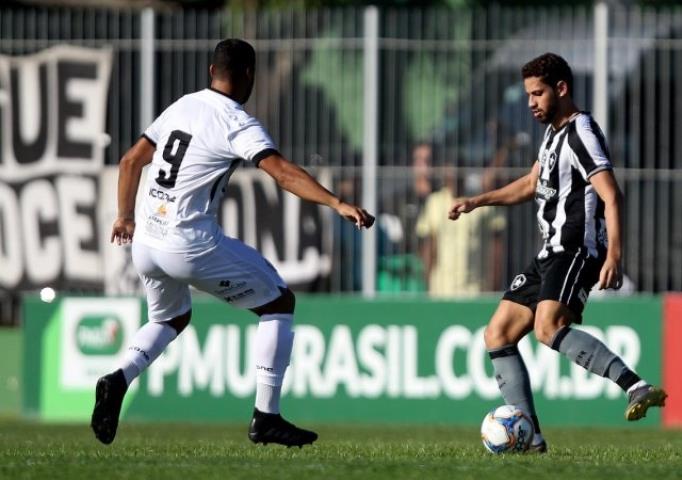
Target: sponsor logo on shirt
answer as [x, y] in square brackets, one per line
[157, 227]
[158, 221]
[161, 195]
[544, 191]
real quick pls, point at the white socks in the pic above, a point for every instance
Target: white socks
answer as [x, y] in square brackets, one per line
[267, 398]
[274, 340]
[147, 344]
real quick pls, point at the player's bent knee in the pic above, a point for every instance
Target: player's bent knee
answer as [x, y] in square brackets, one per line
[181, 321]
[545, 330]
[285, 303]
[550, 317]
[493, 337]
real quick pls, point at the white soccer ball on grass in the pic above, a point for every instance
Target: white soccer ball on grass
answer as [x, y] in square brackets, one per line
[507, 429]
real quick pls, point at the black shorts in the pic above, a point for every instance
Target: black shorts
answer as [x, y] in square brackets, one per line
[564, 277]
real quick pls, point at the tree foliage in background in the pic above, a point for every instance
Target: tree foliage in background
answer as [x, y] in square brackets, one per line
[397, 3]
[297, 4]
[338, 74]
[427, 81]
[433, 81]
[383, 3]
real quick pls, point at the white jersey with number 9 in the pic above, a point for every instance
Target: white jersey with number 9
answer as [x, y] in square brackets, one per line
[200, 140]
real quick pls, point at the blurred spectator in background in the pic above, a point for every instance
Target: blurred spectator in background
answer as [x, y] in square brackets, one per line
[400, 266]
[459, 258]
[347, 271]
[494, 177]
[347, 263]
[404, 196]
[422, 159]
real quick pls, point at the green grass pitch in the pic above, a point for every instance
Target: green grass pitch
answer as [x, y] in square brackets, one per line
[153, 451]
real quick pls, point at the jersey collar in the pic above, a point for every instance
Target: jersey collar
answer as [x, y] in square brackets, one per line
[225, 95]
[570, 119]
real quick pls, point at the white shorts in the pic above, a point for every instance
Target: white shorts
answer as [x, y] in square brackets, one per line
[231, 271]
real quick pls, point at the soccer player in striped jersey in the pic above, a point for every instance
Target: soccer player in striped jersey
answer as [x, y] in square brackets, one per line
[193, 148]
[579, 203]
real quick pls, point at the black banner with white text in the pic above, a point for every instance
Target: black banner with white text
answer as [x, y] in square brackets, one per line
[52, 140]
[58, 200]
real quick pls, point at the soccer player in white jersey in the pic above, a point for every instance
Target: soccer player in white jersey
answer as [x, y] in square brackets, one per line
[579, 202]
[193, 147]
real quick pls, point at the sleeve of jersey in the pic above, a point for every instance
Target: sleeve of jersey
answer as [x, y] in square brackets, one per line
[152, 133]
[252, 143]
[589, 146]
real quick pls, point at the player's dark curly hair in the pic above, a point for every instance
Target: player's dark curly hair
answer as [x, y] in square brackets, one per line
[233, 56]
[551, 68]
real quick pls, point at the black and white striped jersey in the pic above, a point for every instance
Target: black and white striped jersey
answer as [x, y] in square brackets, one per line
[570, 213]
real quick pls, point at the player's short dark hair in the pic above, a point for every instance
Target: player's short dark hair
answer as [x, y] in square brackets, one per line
[551, 68]
[233, 56]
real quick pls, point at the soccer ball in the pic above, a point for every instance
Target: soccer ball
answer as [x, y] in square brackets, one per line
[507, 429]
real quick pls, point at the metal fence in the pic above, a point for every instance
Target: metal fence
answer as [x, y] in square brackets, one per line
[401, 104]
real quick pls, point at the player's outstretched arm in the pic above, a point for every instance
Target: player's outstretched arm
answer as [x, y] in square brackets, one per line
[129, 172]
[604, 183]
[294, 179]
[518, 191]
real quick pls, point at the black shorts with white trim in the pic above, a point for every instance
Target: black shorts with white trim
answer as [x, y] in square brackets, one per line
[565, 277]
